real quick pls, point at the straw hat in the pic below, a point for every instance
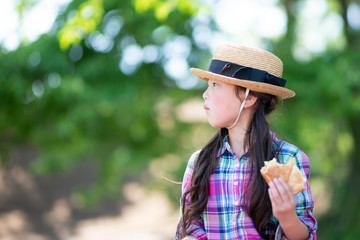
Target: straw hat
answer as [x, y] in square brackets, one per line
[252, 68]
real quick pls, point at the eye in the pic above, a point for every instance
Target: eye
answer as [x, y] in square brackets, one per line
[214, 84]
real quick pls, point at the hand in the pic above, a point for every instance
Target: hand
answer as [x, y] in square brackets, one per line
[282, 200]
[190, 238]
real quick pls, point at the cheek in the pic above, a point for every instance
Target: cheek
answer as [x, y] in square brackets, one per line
[227, 104]
[224, 110]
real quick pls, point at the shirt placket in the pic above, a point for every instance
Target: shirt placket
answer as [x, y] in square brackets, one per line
[237, 197]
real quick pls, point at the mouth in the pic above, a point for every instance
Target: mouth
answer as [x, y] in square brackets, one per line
[206, 108]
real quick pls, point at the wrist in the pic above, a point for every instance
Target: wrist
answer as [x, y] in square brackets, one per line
[293, 228]
[288, 219]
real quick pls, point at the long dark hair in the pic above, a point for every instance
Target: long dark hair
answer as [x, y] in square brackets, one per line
[261, 148]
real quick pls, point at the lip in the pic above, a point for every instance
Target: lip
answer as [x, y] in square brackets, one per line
[206, 108]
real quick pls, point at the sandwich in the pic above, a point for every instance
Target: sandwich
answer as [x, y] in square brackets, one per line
[289, 172]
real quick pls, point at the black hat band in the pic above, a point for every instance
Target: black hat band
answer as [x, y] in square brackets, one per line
[244, 73]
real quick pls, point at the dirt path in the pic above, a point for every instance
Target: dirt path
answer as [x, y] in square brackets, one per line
[42, 208]
[150, 216]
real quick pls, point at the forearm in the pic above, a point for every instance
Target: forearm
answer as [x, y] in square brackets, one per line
[293, 228]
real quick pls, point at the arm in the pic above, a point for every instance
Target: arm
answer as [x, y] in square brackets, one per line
[286, 206]
[196, 229]
[283, 204]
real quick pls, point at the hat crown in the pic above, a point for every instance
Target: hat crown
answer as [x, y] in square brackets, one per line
[249, 57]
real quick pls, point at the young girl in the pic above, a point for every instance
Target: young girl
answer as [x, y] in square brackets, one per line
[224, 195]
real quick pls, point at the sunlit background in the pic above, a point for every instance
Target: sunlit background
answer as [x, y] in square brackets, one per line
[99, 112]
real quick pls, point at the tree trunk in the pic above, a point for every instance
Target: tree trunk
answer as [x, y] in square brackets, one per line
[344, 7]
[349, 203]
[285, 45]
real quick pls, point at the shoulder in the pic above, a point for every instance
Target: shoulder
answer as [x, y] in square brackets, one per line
[186, 183]
[193, 158]
[287, 150]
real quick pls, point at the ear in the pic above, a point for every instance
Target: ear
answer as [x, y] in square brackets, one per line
[250, 101]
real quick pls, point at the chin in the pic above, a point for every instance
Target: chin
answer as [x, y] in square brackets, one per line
[216, 125]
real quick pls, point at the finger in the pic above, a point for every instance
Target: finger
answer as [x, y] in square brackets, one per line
[274, 194]
[280, 189]
[287, 189]
[189, 238]
[272, 198]
[287, 193]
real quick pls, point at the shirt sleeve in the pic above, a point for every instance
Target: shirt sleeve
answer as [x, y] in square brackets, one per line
[304, 200]
[196, 229]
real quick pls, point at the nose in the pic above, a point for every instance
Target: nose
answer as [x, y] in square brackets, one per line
[205, 96]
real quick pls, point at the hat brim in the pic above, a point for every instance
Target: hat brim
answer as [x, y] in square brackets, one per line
[280, 92]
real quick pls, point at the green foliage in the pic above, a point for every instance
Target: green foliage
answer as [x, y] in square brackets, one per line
[83, 21]
[162, 8]
[79, 94]
[68, 96]
[322, 119]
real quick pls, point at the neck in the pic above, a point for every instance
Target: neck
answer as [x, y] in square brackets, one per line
[237, 140]
[237, 134]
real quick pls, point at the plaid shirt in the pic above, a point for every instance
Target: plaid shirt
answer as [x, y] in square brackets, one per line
[225, 215]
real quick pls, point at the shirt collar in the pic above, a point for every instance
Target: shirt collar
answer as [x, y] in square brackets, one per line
[225, 146]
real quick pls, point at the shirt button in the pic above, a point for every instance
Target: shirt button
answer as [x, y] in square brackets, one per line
[236, 203]
[236, 183]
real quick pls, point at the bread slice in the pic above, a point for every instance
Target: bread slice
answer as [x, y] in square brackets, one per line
[289, 172]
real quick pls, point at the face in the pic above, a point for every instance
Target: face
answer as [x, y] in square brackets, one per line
[221, 104]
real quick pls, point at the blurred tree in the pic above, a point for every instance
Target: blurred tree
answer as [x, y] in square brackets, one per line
[95, 88]
[98, 87]
[324, 119]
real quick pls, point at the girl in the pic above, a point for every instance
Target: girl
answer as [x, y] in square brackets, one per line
[224, 195]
